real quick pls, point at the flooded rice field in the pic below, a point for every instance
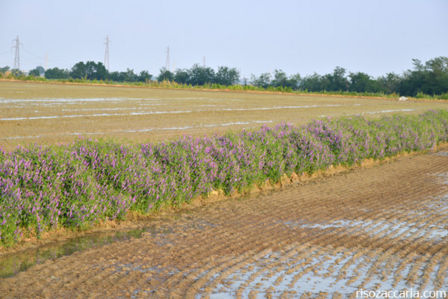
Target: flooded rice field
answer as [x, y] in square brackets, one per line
[380, 228]
[57, 113]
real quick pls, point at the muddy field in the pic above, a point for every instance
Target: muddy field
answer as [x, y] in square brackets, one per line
[54, 113]
[381, 228]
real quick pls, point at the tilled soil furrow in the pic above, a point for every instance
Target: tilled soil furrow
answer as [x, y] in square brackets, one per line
[272, 265]
[391, 250]
[289, 251]
[409, 252]
[198, 270]
[428, 277]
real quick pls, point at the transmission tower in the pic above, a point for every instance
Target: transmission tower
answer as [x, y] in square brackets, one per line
[106, 53]
[203, 61]
[167, 63]
[16, 47]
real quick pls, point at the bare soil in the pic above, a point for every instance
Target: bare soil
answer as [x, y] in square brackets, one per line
[384, 228]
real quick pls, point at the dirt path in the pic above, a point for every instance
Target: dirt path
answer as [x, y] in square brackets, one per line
[382, 228]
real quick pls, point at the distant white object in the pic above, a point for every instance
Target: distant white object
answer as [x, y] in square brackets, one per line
[402, 99]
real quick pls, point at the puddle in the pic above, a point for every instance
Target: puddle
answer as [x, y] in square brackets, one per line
[11, 264]
[205, 99]
[442, 154]
[322, 270]
[72, 100]
[279, 107]
[95, 115]
[384, 111]
[152, 112]
[236, 123]
[21, 137]
[101, 109]
[389, 111]
[395, 229]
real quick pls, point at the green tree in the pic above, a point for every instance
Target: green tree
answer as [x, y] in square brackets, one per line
[429, 78]
[227, 76]
[144, 76]
[56, 73]
[165, 75]
[313, 82]
[200, 75]
[264, 80]
[336, 81]
[436, 77]
[89, 70]
[37, 72]
[389, 83]
[282, 80]
[117, 76]
[4, 69]
[99, 71]
[130, 76]
[79, 71]
[17, 73]
[182, 76]
[361, 82]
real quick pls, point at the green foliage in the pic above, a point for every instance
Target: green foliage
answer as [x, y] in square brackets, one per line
[165, 75]
[129, 76]
[37, 72]
[144, 76]
[361, 82]
[201, 75]
[282, 80]
[56, 73]
[182, 76]
[263, 81]
[444, 96]
[17, 73]
[4, 69]
[426, 80]
[89, 70]
[430, 78]
[226, 76]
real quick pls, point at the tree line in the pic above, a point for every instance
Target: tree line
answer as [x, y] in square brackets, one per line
[430, 78]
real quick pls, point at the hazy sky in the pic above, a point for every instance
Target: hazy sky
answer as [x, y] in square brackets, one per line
[254, 36]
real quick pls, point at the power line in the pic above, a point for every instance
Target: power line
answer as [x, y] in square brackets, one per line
[106, 53]
[36, 58]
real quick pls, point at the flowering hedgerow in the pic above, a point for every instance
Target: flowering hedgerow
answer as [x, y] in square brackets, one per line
[79, 184]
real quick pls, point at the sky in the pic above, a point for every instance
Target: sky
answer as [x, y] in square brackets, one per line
[376, 37]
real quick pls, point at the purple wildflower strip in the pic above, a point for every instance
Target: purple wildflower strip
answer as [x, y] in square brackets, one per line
[79, 184]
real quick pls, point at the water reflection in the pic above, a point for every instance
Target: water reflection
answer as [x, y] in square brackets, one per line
[13, 263]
